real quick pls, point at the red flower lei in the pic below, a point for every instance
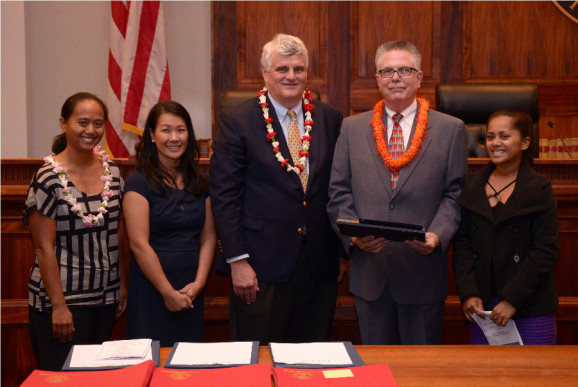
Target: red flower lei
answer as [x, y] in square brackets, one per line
[379, 130]
[308, 107]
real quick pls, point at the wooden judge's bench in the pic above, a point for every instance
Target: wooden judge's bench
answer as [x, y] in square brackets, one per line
[18, 254]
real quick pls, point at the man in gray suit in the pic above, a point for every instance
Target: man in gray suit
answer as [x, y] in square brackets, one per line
[403, 163]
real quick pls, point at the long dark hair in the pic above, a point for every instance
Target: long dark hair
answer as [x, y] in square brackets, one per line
[147, 156]
[522, 122]
[59, 142]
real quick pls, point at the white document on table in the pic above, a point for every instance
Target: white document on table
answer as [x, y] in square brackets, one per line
[233, 353]
[124, 349]
[310, 353]
[497, 334]
[83, 356]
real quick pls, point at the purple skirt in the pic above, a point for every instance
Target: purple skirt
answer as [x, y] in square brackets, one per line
[533, 330]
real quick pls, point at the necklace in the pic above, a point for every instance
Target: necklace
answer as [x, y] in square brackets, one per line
[496, 193]
[379, 130]
[305, 140]
[88, 220]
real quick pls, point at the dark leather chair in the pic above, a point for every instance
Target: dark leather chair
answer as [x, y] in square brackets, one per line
[473, 103]
[232, 97]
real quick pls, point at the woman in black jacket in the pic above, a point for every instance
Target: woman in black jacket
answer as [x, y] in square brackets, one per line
[506, 249]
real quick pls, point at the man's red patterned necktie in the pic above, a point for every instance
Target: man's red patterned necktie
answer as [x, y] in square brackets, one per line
[396, 148]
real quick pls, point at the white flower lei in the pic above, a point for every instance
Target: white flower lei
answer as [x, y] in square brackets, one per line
[88, 220]
[305, 140]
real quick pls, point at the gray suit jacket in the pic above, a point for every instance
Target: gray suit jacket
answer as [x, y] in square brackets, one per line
[426, 192]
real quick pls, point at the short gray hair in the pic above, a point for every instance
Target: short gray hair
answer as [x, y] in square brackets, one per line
[285, 45]
[399, 45]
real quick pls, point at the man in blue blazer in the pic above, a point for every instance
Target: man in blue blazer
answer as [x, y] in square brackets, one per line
[270, 205]
[403, 163]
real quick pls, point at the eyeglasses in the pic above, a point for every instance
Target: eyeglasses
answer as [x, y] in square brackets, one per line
[403, 72]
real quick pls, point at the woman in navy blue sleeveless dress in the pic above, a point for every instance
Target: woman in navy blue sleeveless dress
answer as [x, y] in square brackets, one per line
[170, 229]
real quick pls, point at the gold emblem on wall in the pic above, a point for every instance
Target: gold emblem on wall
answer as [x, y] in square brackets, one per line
[568, 8]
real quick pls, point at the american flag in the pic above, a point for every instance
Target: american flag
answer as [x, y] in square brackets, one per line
[138, 71]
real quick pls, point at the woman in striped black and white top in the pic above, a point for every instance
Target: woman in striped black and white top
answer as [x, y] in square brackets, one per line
[72, 208]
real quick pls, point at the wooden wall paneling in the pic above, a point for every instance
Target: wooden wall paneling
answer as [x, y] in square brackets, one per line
[338, 55]
[259, 21]
[240, 29]
[559, 99]
[451, 41]
[224, 52]
[567, 332]
[17, 356]
[538, 46]
[567, 270]
[559, 104]
[373, 23]
[456, 327]
[567, 320]
[540, 49]
[17, 259]
[376, 22]
[345, 318]
[467, 41]
[18, 172]
[452, 288]
[17, 249]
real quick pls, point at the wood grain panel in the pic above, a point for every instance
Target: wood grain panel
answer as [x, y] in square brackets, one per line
[451, 41]
[376, 22]
[373, 23]
[567, 270]
[559, 99]
[259, 21]
[17, 259]
[224, 52]
[240, 29]
[338, 71]
[519, 39]
[460, 41]
[17, 356]
[566, 125]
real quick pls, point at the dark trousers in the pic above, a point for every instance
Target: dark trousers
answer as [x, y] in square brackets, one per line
[92, 325]
[298, 310]
[384, 322]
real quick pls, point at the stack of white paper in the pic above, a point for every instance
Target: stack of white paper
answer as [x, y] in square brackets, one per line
[111, 354]
[194, 354]
[310, 353]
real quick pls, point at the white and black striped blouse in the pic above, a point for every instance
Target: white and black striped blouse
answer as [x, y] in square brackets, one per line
[88, 256]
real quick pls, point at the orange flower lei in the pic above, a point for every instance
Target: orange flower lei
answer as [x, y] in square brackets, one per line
[379, 130]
